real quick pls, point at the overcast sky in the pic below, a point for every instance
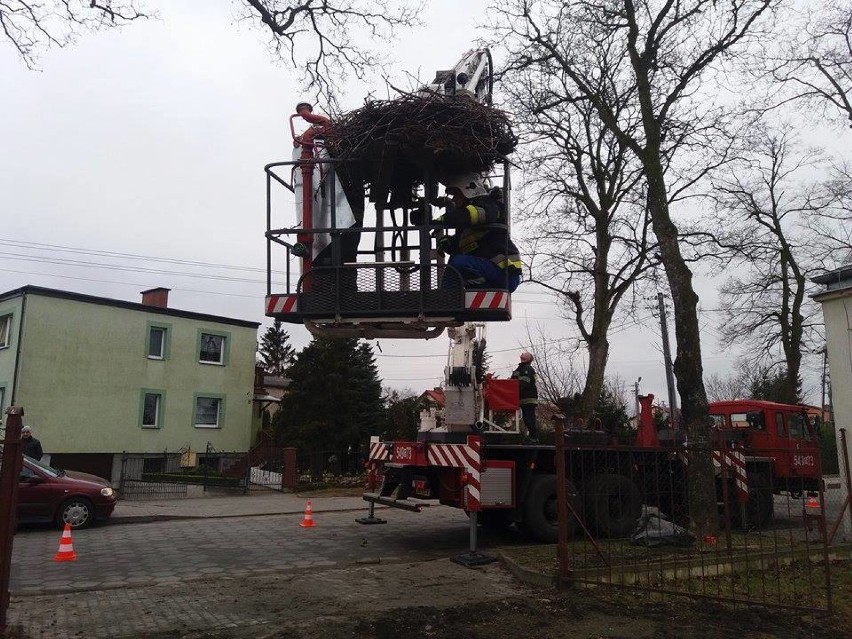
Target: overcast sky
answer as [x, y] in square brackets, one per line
[151, 141]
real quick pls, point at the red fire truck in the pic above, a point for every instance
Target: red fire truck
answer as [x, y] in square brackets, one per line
[763, 448]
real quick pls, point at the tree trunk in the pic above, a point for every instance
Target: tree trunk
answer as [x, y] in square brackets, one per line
[687, 365]
[598, 355]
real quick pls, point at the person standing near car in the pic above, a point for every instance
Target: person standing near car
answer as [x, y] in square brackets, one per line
[31, 446]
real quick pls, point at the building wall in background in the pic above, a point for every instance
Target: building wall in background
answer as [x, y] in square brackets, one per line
[837, 311]
[8, 353]
[85, 368]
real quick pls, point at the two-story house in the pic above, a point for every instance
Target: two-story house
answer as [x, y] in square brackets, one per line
[98, 377]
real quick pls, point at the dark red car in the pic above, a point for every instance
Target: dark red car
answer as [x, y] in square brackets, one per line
[47, 494]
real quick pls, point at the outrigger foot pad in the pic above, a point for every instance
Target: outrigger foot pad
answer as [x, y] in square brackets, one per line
[371, 520]
[472, 559]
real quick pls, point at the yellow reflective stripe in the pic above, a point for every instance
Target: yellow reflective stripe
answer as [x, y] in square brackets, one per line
[475, 213]
[502, 262]
[470, 241]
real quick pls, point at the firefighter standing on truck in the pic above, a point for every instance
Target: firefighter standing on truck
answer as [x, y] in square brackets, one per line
[525, 374]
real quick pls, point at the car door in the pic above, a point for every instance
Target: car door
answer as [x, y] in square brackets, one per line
[35, 495]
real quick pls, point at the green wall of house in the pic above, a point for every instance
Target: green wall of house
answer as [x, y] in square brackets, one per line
[7, 354]
[85, 368]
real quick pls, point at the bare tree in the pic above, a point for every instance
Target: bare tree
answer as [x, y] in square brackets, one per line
[593, 239]
[668, 54]
[730, 387]
[814, 63]
[327, 40]
[32, 25]
[556, 376]
[763, 209]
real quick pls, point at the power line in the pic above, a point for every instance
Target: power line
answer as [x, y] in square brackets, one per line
[130, 256]
[133, 284]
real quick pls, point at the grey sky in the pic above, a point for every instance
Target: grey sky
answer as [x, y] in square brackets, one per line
[152, 140]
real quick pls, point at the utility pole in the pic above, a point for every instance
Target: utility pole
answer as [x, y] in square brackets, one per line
[667, 355]
[637, 408]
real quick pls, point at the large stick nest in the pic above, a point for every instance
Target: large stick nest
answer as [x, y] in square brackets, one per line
[388, 142]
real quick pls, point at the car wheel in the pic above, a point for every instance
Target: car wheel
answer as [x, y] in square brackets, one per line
[78, 511]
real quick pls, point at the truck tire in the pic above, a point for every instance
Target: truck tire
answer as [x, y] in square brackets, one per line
[760, 506]
[540, 520]
[613, 504]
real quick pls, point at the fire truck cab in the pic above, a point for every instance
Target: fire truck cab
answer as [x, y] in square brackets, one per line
[783, 437]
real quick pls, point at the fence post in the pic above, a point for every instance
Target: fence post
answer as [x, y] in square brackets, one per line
[565, 571]
[288, 476]
[13, 459]
[248, 472]
[206, 466]
[123, 473]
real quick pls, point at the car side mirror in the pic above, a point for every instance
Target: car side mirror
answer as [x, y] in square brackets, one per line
[32, 479]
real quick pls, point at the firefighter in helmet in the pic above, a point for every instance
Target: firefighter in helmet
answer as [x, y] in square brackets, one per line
[485, 257]
[525, 374]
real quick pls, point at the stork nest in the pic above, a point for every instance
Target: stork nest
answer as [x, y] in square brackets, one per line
[394, 141]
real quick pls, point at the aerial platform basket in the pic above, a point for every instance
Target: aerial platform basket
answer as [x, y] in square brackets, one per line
[344, 279]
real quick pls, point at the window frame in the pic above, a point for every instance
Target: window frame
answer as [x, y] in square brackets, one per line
[166, 345]
[220, 416]
[224, 357]
[6, 319]
[160, 420]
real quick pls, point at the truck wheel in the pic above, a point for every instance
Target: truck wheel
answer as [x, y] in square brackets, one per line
[760, 506]
[540, 517]
[613, 504]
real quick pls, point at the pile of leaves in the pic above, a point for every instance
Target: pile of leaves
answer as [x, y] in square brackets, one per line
[393, 141]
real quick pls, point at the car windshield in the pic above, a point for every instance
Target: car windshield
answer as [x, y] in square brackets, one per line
[47, 470]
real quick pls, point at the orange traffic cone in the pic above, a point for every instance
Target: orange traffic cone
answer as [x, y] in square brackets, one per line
[308, 521]
[66, 548]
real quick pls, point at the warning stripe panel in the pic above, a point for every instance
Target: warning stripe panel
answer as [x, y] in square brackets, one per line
[487, 300]
[281, 304]
[379, 451]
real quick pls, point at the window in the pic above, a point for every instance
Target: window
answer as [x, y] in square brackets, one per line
[718, 421]
[157, 342]
[5, 331]
[739, 420]
[779, 425]
[798, 430]
[212, 349]
[208, 412]
[151, 409]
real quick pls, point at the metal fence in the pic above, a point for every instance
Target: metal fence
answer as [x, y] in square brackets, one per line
[768, 544]
[179, 474]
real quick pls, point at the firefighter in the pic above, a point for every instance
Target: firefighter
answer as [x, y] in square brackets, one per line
[485, 257]
[525, 374]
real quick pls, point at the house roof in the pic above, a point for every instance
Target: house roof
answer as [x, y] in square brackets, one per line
[837, 280]
[135, 306]
[436, 395]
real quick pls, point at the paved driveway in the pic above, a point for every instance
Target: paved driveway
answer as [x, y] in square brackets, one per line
[166, 552]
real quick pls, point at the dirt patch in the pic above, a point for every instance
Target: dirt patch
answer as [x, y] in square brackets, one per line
[428, 600]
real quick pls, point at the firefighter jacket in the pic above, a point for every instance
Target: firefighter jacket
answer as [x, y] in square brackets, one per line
[471, 239]
[525, 374]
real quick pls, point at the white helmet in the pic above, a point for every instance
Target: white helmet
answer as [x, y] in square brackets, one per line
[469, 184]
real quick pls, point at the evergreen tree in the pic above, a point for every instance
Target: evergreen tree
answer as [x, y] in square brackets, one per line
[275, 350]
[334, 398]
[401, 415]
[773, 386]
